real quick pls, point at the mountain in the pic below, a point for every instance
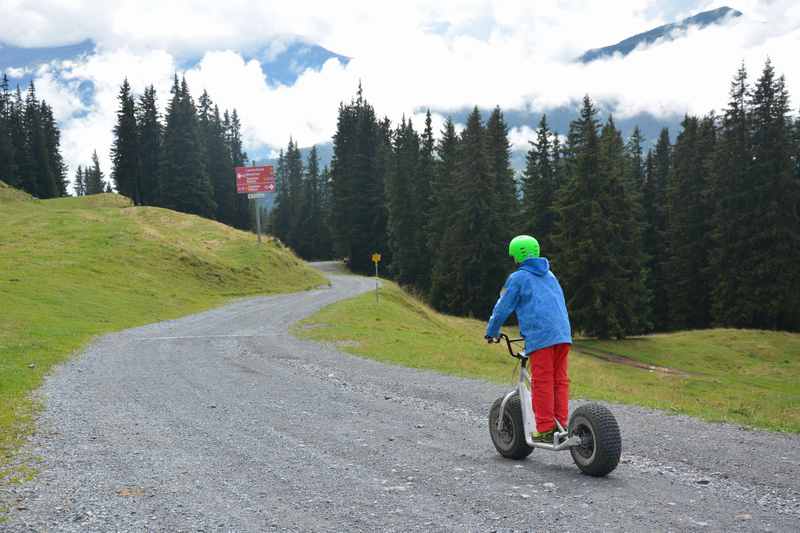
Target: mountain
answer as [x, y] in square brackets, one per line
[282, 64]
[296, 58]
[667, 32]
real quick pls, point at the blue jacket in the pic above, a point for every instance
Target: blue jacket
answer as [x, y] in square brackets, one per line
[535, 294]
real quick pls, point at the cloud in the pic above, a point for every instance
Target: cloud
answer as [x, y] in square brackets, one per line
[19, 72]
[86, 128]
[520, 137]
[409, 55]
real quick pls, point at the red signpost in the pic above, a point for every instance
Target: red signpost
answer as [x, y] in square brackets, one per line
[255, 181]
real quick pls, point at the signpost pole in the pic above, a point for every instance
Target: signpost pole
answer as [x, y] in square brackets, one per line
[376, 258]
[258, 220]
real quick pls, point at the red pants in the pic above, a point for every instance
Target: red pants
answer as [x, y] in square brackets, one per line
[550, 386]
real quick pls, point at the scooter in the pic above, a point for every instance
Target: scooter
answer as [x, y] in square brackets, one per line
[593, 437]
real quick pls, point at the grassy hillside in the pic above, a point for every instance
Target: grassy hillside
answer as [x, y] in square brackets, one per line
[741, 376]
[73, 268]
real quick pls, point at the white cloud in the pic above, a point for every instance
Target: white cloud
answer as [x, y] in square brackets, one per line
[18, 72]
[409, 55]
[520, 137]
[91, 130]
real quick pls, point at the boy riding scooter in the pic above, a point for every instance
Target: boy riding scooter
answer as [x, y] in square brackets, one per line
[533, 292]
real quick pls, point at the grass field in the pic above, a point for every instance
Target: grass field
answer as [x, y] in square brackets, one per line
[741, 376]
[74, 268]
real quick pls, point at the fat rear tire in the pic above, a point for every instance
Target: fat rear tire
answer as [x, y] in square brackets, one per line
[602, 443]
[510, 440]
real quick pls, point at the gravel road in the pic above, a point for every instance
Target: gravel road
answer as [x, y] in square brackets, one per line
[220, 421]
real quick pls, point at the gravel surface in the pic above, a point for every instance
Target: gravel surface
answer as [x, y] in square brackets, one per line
[222, 422]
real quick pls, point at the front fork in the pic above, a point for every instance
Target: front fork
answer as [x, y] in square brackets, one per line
[561, 438]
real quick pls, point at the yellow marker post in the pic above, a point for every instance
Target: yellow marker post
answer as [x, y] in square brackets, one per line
[376, 258]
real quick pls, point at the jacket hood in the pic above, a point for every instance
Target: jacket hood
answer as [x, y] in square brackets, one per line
[537, 265]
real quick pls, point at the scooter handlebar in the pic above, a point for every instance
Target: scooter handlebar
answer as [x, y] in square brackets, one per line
[509, 341]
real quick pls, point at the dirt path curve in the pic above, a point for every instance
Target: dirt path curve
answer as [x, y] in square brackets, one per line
[220, 421]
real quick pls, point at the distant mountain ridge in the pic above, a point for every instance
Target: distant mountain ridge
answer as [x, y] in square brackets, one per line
[666, 32]
[283, 67]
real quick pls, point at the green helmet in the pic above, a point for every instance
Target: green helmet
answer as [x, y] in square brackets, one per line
[523, 247]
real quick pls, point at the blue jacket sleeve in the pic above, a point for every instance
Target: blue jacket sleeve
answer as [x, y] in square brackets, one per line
[505, 305]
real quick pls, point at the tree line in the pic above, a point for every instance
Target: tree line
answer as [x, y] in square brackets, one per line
[302, 202]
[184, 161]
[30, 155]
[90, 180]
[700, 232]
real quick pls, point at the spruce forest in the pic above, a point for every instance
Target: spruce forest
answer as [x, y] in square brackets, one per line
[30, 156]
[698, 228]
[184, 161]
[696, 233]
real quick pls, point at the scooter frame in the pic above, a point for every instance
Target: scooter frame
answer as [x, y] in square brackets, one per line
[561, 438]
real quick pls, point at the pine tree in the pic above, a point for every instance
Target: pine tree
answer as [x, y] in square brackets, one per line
[38, 176]
[314, 242]
[22, 161]
[470, 242]
[424, 203]
[680, 196]
[280, 216]
[654, 202]
[224, 176]
[306, 228]
[506, 201]
[294, 184]
[184, 180]
[342, 187]
[540, 187]
[233, 138]
[442, 216]
[52, 139]
[361, 155]
[376, 196]
[403, 211]
[79, 183]
[634, 184]
[125, 163]
[635, 177]
[95, 183]
[688, 213]
[325, 237]
[218, 160]
[8, 164]
[770, 247]
[623, 285]
[732, 167]
[150, 133]
[590, 265]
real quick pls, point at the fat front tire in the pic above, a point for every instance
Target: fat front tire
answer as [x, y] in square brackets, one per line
[509, 440]
[601, 446]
